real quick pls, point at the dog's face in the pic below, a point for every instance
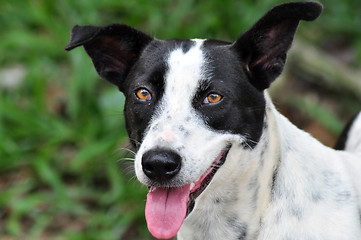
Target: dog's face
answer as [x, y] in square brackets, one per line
[189, 101]
[193, 98]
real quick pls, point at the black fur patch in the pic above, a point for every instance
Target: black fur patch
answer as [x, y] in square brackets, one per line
[341, 142]
[238, 227]
[242, 108]
[149, 72]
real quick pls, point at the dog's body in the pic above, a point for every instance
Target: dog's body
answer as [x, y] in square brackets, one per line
[220, 161]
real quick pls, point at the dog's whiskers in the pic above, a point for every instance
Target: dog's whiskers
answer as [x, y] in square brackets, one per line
[127, 159]
[127, 150]
[131, 172]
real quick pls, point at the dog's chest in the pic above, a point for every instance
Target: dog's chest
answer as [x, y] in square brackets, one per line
[217, 222]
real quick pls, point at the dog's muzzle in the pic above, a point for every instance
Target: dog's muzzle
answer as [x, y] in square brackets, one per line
[167, 207]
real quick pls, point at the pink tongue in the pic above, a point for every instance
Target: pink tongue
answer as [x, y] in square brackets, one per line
[165, 210]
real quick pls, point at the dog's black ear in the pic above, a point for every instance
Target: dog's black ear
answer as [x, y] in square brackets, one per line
[113, 49]
[263, 48]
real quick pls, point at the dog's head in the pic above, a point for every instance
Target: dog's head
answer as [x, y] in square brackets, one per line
[189, 101]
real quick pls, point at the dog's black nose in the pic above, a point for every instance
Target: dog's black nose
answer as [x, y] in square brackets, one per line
[161, 164]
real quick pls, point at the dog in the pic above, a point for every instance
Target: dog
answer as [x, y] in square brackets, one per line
[219, 160]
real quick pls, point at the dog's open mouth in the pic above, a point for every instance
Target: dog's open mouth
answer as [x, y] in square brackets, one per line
[167, 207]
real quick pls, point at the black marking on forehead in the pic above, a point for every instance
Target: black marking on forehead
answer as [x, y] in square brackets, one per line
[215, 43]
[208, 70]
[185, 45]
[148, 72]
[150, 69]
[242, 108]
[173, 44]
[152, 64]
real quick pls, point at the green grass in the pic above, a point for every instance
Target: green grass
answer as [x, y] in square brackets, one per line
[61, 127]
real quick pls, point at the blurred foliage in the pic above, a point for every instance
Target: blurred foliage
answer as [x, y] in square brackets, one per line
[61, 128]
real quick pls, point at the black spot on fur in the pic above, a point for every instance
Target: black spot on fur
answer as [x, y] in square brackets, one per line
[263, 153]
[296, 212]
[183, 130]
[238, 227]
[273, 180]
[253, 186]
[155, 127]
[180, 149]
[242, 232]
[217, 200]
[316, 197]
[265, 125]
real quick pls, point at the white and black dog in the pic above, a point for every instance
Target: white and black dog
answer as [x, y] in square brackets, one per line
[219, 160]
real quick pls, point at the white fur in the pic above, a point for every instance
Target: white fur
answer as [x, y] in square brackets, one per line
[308, 171]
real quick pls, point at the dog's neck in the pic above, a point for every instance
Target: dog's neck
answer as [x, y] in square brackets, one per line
[243, 189]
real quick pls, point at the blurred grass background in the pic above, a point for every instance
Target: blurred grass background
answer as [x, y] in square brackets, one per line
[62, 133]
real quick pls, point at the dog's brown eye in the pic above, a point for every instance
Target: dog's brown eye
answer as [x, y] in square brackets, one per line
[143, 94]
[213, 98]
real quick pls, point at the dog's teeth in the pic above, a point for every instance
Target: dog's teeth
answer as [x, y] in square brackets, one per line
[192, 186]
